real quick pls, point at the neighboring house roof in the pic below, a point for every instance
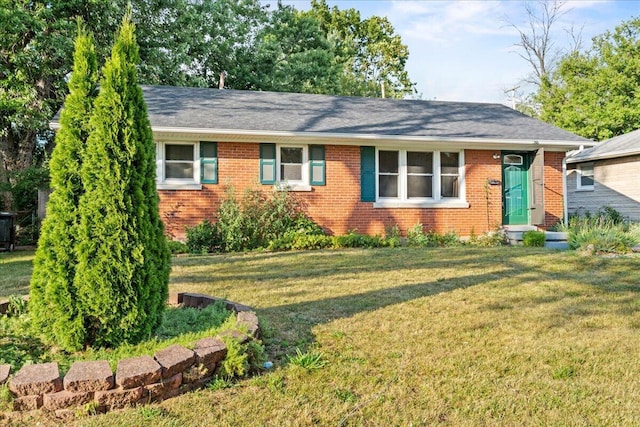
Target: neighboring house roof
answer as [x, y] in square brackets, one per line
[618, 146]
[254, 115]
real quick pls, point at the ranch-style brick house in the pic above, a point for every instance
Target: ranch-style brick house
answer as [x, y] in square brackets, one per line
[359, 164]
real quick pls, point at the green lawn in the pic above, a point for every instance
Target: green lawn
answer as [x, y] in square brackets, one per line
[457, 336]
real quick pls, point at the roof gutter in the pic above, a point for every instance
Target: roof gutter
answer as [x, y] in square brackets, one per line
[604, 156]
[351, 139]
[358, 139]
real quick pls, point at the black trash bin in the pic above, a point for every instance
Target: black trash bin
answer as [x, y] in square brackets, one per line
[8, 231]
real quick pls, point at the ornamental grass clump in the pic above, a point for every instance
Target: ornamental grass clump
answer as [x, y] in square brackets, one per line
[606, 231]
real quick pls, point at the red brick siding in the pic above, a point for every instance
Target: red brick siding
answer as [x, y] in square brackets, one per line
[553, 200]
[336, 206]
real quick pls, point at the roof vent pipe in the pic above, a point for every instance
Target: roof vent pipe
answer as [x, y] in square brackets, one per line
[221, 81]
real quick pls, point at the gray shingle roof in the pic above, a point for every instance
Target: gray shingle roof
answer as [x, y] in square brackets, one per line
[618, 146]
[201, 108]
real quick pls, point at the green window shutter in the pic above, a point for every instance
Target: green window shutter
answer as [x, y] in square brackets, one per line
[209, 162]
[267, 163]
[368, 174]
[317, 171]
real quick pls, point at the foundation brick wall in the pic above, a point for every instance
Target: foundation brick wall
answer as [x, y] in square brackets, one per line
[139, 380]
[336, 206]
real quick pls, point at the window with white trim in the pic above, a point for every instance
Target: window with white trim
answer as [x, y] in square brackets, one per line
[585, 176]
[177, 165]
[291, 165]
[415, 177]
[179, 162]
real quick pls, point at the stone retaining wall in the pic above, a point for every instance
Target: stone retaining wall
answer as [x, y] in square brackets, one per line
[138, 380]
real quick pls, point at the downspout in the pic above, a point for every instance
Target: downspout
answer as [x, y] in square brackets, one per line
[565, 212]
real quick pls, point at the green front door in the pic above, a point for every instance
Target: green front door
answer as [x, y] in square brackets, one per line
[515, 183]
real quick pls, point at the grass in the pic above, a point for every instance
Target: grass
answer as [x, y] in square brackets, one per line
[455, 336]
[15, 273]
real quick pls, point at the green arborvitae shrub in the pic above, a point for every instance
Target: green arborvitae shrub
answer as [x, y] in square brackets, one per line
[52, 295]
[123, 258]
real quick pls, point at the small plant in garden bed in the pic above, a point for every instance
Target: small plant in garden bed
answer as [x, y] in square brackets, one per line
[533, 238]
[417, 237]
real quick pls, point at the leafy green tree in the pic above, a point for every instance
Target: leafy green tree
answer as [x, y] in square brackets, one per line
[369, 50]
[52, 296]
[36, 49]
[122, 273]
[293, 55]
[186, 43]
[594, 93]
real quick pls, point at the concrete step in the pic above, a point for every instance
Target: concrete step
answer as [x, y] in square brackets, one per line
[553, 239]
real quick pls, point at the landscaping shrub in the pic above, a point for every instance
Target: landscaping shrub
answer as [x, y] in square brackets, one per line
[488, 240]
[300, 240]
[606, 231]
[122, 273]
[53, 307]
[241, 359]
[392, 236]
[203, 238]
[417, 237]
[354, 240]
[533, 238]
[176, 247]
[606, 239]
[274, 220]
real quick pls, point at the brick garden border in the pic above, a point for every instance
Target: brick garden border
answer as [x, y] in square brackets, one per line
[172, 371]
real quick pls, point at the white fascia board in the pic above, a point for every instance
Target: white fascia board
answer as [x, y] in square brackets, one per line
[233, 135]
[604, 156]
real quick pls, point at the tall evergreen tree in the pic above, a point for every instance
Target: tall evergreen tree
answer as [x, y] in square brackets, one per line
[123, 261]
[52, 299]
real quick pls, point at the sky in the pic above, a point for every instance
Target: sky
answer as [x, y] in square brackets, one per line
[465, 50]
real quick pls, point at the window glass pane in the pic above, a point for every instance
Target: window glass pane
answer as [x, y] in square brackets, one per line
[179, 152]
[291, 155]
[290, 172]
[586, 181]
[418, 162]
[449, 163]
[179, 170]
[388, 161]
[513, 159]
[449, 186]
[586, 175]
[419, 186]
[208, 150]
[209, 171]
[388, 185]
[586, 170]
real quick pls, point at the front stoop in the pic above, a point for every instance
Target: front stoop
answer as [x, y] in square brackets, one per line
[553, 239]
[514, 232]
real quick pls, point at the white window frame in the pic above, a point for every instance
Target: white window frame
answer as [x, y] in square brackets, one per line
[296, 185]
[402, 201]
[580, 173]
[164, 183]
